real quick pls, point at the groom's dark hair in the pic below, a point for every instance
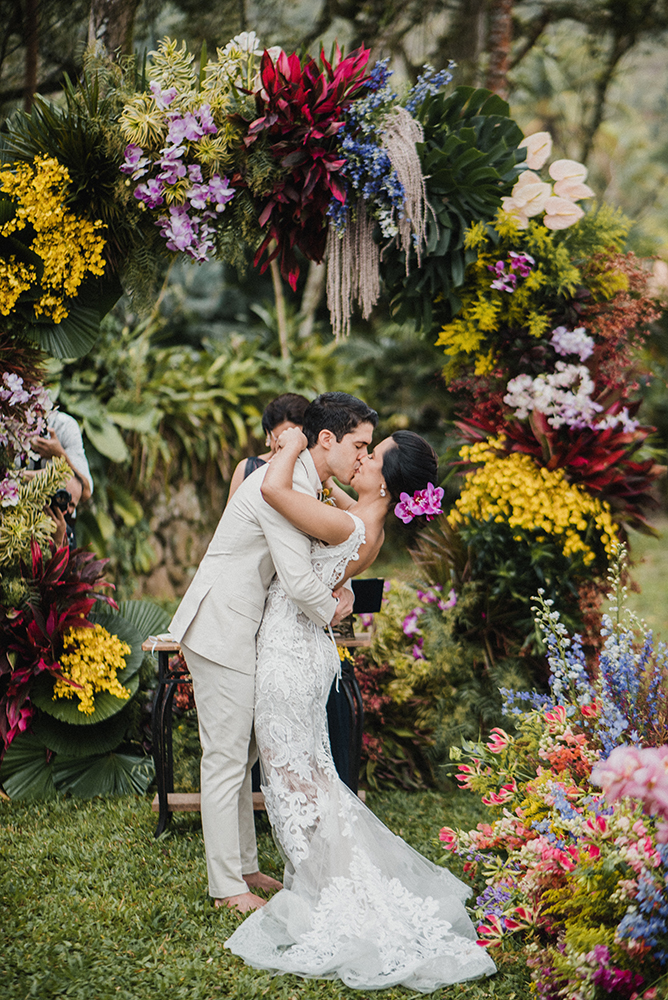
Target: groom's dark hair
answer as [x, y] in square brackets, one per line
[337, 412]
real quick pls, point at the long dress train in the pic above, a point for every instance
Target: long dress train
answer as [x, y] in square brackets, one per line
[358, 903]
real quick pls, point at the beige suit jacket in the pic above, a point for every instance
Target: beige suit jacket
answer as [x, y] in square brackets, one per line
[221, 611]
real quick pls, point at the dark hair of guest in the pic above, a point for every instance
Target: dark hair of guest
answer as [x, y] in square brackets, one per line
[337, 412]
[410, 465]
[290, 406]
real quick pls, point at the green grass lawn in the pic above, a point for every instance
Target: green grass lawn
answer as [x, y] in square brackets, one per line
[93, 908]
[650, 574]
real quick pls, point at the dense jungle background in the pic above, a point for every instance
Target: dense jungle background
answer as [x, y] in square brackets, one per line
[171, 397]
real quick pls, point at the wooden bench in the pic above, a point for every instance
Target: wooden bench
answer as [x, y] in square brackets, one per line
[368, 594]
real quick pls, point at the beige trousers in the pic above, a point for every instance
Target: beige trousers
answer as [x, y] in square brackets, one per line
[224, 700]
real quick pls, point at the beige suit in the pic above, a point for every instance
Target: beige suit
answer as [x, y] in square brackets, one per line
[216, 624]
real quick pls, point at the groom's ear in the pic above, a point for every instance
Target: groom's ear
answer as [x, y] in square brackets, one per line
[326, 439]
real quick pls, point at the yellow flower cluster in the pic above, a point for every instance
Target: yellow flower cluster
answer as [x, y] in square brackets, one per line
[15, 278]
[70, 247]
[93, 660]
[513, 489]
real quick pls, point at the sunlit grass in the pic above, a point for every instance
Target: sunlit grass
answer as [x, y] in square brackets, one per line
[95, 909]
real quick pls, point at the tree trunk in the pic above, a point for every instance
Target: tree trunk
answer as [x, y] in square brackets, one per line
[281, 314]
[498, 46]
[312, 297]
[112, 23]
[31, 33]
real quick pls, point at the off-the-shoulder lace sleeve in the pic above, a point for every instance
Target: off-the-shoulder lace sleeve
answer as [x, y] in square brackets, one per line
[330, 561]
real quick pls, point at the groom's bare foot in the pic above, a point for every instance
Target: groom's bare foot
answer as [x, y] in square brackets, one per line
[257, 880]
[243, 903]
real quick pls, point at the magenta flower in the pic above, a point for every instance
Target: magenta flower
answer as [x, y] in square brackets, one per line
[522, 262]
[195, 173]
[425, 502]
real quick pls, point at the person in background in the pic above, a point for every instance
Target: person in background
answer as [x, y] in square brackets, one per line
[283, 412]
[64, 515]
[65, 441]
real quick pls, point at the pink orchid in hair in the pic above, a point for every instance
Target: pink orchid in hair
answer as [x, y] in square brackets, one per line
[425, 502]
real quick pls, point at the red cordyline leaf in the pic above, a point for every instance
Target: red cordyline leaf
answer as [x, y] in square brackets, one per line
[300, 107]
[600, 460]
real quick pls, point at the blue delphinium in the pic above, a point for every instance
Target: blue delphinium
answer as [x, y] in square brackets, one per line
[368, 172]
[429, 82]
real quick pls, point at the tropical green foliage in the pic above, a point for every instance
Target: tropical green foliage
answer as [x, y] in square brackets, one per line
[468, 157]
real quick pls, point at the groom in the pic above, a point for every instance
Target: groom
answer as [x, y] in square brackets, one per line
[217, 621]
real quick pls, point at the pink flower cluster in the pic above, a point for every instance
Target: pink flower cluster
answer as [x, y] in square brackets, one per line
[518, 263]
[639, 773]
[423, 502]
[23, 413]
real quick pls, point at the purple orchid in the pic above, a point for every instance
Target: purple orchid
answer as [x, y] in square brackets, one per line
[184, 127]
[163, 98]
[135, 164]
[206, 120]
[9, 492]
[177, 229]
[171, 167]
[151, 193]
[220, 191]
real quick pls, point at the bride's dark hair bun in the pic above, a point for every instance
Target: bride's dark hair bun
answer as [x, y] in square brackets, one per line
[410, 465]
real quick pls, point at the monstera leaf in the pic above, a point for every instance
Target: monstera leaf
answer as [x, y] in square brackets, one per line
[469, 159]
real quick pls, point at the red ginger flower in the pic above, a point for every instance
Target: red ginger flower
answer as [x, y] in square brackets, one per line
[301, 110]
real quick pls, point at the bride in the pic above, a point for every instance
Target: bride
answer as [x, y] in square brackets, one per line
[359, 904]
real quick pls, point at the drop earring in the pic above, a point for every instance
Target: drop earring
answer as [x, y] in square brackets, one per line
[382, 490]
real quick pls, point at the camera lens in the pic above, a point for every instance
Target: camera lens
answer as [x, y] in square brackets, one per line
[61, 500]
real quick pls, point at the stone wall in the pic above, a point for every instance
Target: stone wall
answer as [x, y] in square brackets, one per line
[181, 529]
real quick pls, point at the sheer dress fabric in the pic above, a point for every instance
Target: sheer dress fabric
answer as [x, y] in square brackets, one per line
[358, 903]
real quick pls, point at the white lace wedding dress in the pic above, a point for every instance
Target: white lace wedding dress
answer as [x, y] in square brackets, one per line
[359, 904]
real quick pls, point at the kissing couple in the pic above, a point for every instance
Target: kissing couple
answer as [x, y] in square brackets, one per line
[357, 903]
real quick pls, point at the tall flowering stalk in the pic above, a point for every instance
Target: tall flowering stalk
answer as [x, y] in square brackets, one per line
[580, 875]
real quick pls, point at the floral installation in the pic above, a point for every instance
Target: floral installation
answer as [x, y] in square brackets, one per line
[64, 589]
[65, 248]
[513, 489]
[91, 660]
[424, 503]
[177, 151]
[580, 875]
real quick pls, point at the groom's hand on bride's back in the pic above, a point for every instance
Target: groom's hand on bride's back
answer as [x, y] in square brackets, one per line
[346, 599]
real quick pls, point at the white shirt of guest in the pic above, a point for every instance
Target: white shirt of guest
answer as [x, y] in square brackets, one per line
[69, 435]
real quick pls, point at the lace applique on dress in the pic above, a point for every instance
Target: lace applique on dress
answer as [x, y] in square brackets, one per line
[359, 904]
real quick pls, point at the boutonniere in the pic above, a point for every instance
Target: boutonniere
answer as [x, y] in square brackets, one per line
[325, 495]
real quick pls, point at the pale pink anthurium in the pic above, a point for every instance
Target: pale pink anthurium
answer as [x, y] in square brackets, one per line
[538, 147]
[560, 213]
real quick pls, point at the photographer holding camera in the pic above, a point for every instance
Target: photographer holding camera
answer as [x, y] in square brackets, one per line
[63, 509]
